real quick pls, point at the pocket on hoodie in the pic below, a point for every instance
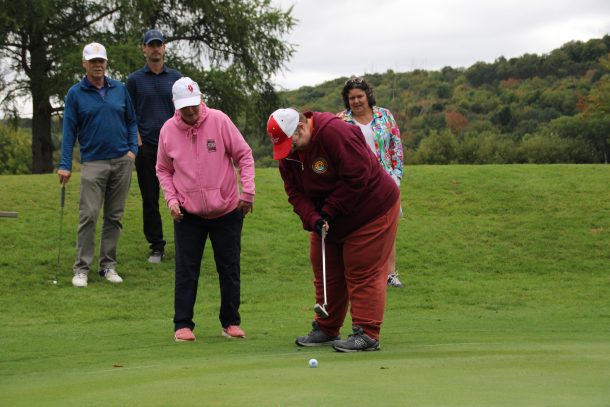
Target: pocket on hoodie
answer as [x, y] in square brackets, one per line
[208, 202]
[214, 202]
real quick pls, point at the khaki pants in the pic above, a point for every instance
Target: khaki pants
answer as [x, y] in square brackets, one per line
[102, 182]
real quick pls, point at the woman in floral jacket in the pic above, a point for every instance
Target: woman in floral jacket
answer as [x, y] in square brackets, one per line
[381, 134]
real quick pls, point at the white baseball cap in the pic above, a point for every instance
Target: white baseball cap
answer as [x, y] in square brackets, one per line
[281, 126]
[94, 50]
[186, 93]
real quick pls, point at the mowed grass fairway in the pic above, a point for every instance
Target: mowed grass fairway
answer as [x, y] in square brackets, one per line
[507, 303]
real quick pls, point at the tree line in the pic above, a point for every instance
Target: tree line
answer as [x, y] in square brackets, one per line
[551, 108]
[231, 48]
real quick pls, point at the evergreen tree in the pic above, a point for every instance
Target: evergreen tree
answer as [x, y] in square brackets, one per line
[232, 47]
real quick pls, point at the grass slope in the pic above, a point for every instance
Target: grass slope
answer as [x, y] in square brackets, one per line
[507, 271]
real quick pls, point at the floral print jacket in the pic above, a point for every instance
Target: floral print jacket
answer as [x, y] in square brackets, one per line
[388, 146]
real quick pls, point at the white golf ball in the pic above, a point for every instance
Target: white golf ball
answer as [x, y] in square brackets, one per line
[313, 363]
[54, 281]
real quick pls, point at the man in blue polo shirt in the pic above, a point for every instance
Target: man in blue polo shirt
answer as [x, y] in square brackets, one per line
[150, 89]
[98, 113]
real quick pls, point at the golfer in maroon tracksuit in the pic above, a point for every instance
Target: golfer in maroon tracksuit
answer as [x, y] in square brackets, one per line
[334, 182]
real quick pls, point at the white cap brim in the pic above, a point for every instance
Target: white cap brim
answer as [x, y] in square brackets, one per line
[192, 101]
[94, 56]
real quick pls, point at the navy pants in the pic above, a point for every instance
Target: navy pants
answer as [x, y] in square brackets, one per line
[146, 161]
[190, 236]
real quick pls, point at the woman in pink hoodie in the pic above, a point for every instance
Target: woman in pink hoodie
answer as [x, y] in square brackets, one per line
[199, 149]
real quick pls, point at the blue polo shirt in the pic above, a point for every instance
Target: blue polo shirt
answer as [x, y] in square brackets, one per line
[101, 120]
[151, 95]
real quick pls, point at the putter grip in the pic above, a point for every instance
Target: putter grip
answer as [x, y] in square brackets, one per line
[63, 195]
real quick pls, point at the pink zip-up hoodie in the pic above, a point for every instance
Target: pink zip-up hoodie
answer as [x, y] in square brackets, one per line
[196, 164]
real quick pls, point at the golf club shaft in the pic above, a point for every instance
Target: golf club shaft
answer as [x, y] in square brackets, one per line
[324, 264]
[62, 201]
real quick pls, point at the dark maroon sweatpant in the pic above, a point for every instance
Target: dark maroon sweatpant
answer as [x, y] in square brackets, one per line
[356, 274]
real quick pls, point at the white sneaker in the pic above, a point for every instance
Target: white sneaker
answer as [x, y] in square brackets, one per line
[393, 281]
[79, 280]
[156, 256]
[111, 275]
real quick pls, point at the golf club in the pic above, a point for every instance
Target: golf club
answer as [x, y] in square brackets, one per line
[62, 201]
[321, 309]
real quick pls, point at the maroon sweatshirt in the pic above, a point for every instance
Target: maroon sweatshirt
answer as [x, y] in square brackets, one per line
[339, 175]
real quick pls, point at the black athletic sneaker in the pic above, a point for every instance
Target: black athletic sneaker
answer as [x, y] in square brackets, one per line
[356, 342]
[316, 337]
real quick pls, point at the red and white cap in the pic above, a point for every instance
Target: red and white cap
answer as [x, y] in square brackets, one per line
[281, 126]
[185, 92]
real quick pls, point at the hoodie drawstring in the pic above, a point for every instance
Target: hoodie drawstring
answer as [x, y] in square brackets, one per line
[191, 133]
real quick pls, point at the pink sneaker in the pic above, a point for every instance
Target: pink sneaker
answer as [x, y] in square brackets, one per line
[184, 335]
[233, 331]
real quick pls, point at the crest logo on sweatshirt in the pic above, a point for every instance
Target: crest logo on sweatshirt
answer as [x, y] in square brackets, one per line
[211, 146]
[319, 166]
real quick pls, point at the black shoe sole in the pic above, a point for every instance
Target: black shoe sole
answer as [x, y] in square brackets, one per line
[313, 344]
[345, 350]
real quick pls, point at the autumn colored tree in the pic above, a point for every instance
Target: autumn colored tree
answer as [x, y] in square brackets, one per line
[456, 122]
[595, 111]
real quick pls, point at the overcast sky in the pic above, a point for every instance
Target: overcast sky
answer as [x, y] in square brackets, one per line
[335, 38]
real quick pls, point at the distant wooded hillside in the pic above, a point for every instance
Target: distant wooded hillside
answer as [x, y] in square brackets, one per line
[535, 108]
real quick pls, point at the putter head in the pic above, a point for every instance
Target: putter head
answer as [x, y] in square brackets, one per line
[321, 311]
